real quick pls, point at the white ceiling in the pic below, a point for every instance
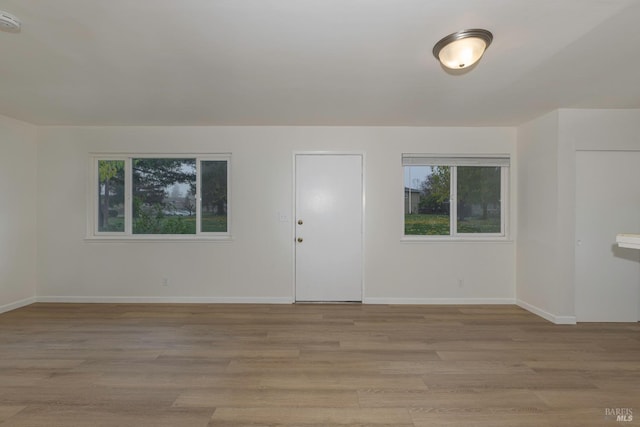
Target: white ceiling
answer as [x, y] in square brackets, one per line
[312, 62]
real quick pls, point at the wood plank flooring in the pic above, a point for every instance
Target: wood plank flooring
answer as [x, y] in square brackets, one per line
[311, 365]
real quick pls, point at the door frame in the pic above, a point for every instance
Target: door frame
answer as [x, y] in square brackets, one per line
[294, 156]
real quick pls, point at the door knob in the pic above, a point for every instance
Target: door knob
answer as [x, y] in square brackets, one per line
[299, 222]
[299, 239]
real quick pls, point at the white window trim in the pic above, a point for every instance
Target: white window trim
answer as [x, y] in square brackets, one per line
[453, 161]
[92, 233]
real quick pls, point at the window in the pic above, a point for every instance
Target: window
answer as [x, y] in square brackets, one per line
[167, 196]
[111, 195]
[455, 197]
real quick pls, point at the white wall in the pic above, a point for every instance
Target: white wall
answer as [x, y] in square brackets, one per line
[539, 279]
[17, 213]
[600, 129]
[258, 264]
[547, 213]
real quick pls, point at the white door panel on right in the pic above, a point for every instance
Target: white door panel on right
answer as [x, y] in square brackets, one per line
[607, 277]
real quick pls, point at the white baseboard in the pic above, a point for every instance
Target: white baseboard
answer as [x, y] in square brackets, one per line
[263, 300]
[166, 300]
[439, 301]
[17, 304]
[558, 320]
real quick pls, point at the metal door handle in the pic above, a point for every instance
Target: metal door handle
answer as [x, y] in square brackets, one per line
[299, 239]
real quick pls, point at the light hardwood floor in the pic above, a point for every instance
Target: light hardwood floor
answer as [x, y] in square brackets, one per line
[311, 365]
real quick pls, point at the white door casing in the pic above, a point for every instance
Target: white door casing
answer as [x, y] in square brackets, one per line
[328, 224]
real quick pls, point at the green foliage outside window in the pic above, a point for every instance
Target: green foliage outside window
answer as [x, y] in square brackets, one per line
[111, 195]
[159, 184]
[164, 195]
[477, 197]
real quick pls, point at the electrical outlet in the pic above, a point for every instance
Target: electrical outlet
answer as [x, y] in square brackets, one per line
[165, 282]
[461, 283]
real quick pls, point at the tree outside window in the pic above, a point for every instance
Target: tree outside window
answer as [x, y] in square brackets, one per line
[471, 195]
[111, 195]
[162, 196]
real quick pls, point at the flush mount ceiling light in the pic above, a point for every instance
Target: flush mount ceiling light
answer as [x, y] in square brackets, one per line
[9, 23]
[462, 49]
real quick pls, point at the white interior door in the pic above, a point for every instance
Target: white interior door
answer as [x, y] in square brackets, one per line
[328, 227]
[607, 277]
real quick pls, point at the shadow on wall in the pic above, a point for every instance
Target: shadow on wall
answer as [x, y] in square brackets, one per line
[625, 253]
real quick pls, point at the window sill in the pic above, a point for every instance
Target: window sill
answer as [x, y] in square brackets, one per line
[447, 239]
[158, 239]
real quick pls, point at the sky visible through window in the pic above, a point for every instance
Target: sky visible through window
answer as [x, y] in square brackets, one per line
[414, 176]
[181, 189]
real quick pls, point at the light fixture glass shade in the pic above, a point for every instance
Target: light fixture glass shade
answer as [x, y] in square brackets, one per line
[462, 49]
[462, 53]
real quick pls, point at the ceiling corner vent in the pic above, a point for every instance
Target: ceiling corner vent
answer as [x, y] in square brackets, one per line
[9, 23]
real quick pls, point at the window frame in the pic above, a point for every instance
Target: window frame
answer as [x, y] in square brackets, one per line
[93, 197]
[453, 162]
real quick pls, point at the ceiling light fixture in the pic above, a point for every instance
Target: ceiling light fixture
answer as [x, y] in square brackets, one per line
[462, 49]
[9, 23]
